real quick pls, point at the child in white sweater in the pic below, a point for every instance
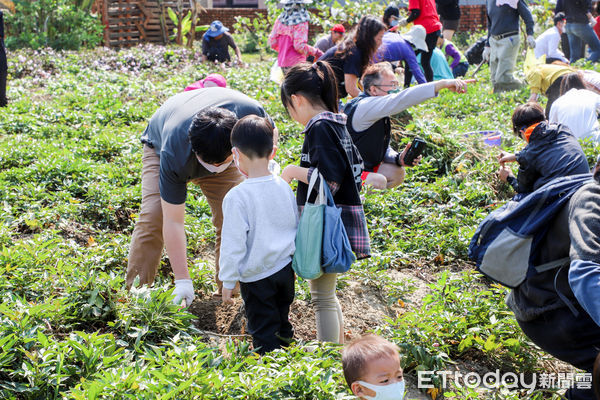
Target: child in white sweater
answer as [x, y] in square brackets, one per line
[260, 219]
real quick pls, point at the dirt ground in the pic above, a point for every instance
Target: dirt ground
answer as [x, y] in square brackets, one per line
[364, 308]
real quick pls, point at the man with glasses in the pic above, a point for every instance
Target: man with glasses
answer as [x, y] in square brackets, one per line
[186, 140]
[370, 126]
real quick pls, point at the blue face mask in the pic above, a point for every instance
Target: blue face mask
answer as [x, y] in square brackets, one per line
[393, 23]
[393, 391]
[393, 91]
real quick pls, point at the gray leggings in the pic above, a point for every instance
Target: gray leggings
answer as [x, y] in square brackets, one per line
[328, 313]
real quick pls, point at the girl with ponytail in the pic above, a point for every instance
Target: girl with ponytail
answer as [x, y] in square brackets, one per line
[309, 94]
[350, 58]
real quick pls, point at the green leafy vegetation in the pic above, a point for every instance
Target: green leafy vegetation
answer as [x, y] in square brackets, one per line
[70, 162]
[60, 24]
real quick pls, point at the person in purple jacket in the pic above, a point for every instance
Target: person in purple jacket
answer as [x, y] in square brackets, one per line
[395, 48]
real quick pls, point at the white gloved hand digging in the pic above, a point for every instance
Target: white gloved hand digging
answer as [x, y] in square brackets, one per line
[184, 290]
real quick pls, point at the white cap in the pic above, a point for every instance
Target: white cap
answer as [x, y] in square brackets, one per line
[416, 36]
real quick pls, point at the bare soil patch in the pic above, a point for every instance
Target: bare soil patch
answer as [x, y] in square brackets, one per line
[364, 308]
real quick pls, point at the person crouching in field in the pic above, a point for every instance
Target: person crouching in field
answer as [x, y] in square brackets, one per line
[559, 309]
[258, 237]
[372, 369]
[186, 141]
[370, 126]
[309, 93]
[551, 152]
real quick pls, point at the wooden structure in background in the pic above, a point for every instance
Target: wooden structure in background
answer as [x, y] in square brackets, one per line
[130, 22]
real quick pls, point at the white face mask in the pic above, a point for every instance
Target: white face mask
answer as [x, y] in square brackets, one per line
[213, 168]
[236, 160]
[393, 391]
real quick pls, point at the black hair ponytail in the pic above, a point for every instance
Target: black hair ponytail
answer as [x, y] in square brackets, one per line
[316, 82]
[362, 37]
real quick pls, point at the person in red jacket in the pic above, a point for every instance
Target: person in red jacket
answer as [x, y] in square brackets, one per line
[424, 13]
[596, 26]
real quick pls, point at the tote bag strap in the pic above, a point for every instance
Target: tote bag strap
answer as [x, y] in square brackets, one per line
[321, 196]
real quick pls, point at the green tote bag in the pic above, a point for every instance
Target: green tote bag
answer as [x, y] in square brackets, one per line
[309, 237]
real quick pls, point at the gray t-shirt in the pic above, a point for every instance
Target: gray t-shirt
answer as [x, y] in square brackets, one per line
[167, 133]
[324, 43]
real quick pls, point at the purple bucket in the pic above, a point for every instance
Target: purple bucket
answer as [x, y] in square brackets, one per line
[490, 138]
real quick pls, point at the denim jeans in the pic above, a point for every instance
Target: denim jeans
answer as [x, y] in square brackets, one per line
[579, 35]
[461, 69]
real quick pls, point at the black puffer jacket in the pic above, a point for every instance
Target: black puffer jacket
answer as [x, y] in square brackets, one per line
[552, 152]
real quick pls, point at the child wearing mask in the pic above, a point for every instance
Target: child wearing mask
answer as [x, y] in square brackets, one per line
[371, 366]
[258, 237]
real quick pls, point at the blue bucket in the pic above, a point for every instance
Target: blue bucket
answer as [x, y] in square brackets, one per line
[490, 138]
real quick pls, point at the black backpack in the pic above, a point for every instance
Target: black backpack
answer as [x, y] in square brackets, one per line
[474, 53]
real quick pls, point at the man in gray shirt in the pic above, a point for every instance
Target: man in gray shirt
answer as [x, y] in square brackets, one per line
[327, 42]
[186, 140]
[502, 46]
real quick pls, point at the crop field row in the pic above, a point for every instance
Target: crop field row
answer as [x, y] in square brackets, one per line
[70, 163]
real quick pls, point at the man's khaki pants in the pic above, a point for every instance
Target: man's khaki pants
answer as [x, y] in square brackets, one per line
[503, 61]
[147, 241]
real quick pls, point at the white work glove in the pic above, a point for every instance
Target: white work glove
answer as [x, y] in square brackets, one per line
[402, 22]
[486, 54]
[184, 290]
[593, 22]
[531, 41]
[274, 167]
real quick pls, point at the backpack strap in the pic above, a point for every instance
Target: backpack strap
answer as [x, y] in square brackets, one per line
[564, 299]
[551, 265]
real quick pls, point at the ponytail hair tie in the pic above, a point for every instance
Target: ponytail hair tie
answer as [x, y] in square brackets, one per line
[315, 66]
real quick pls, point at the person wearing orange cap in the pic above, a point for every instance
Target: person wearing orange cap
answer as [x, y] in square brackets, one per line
[327, 42]
[551, 152]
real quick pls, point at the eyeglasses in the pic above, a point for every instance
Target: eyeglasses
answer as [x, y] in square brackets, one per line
[394, 85]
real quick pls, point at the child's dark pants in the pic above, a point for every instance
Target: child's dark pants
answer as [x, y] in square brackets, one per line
[267, 303]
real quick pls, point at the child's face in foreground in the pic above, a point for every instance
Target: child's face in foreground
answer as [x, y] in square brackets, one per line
[382, 371]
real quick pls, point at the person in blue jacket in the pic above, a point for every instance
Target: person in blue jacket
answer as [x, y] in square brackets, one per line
[551, 152]
[559, 310]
